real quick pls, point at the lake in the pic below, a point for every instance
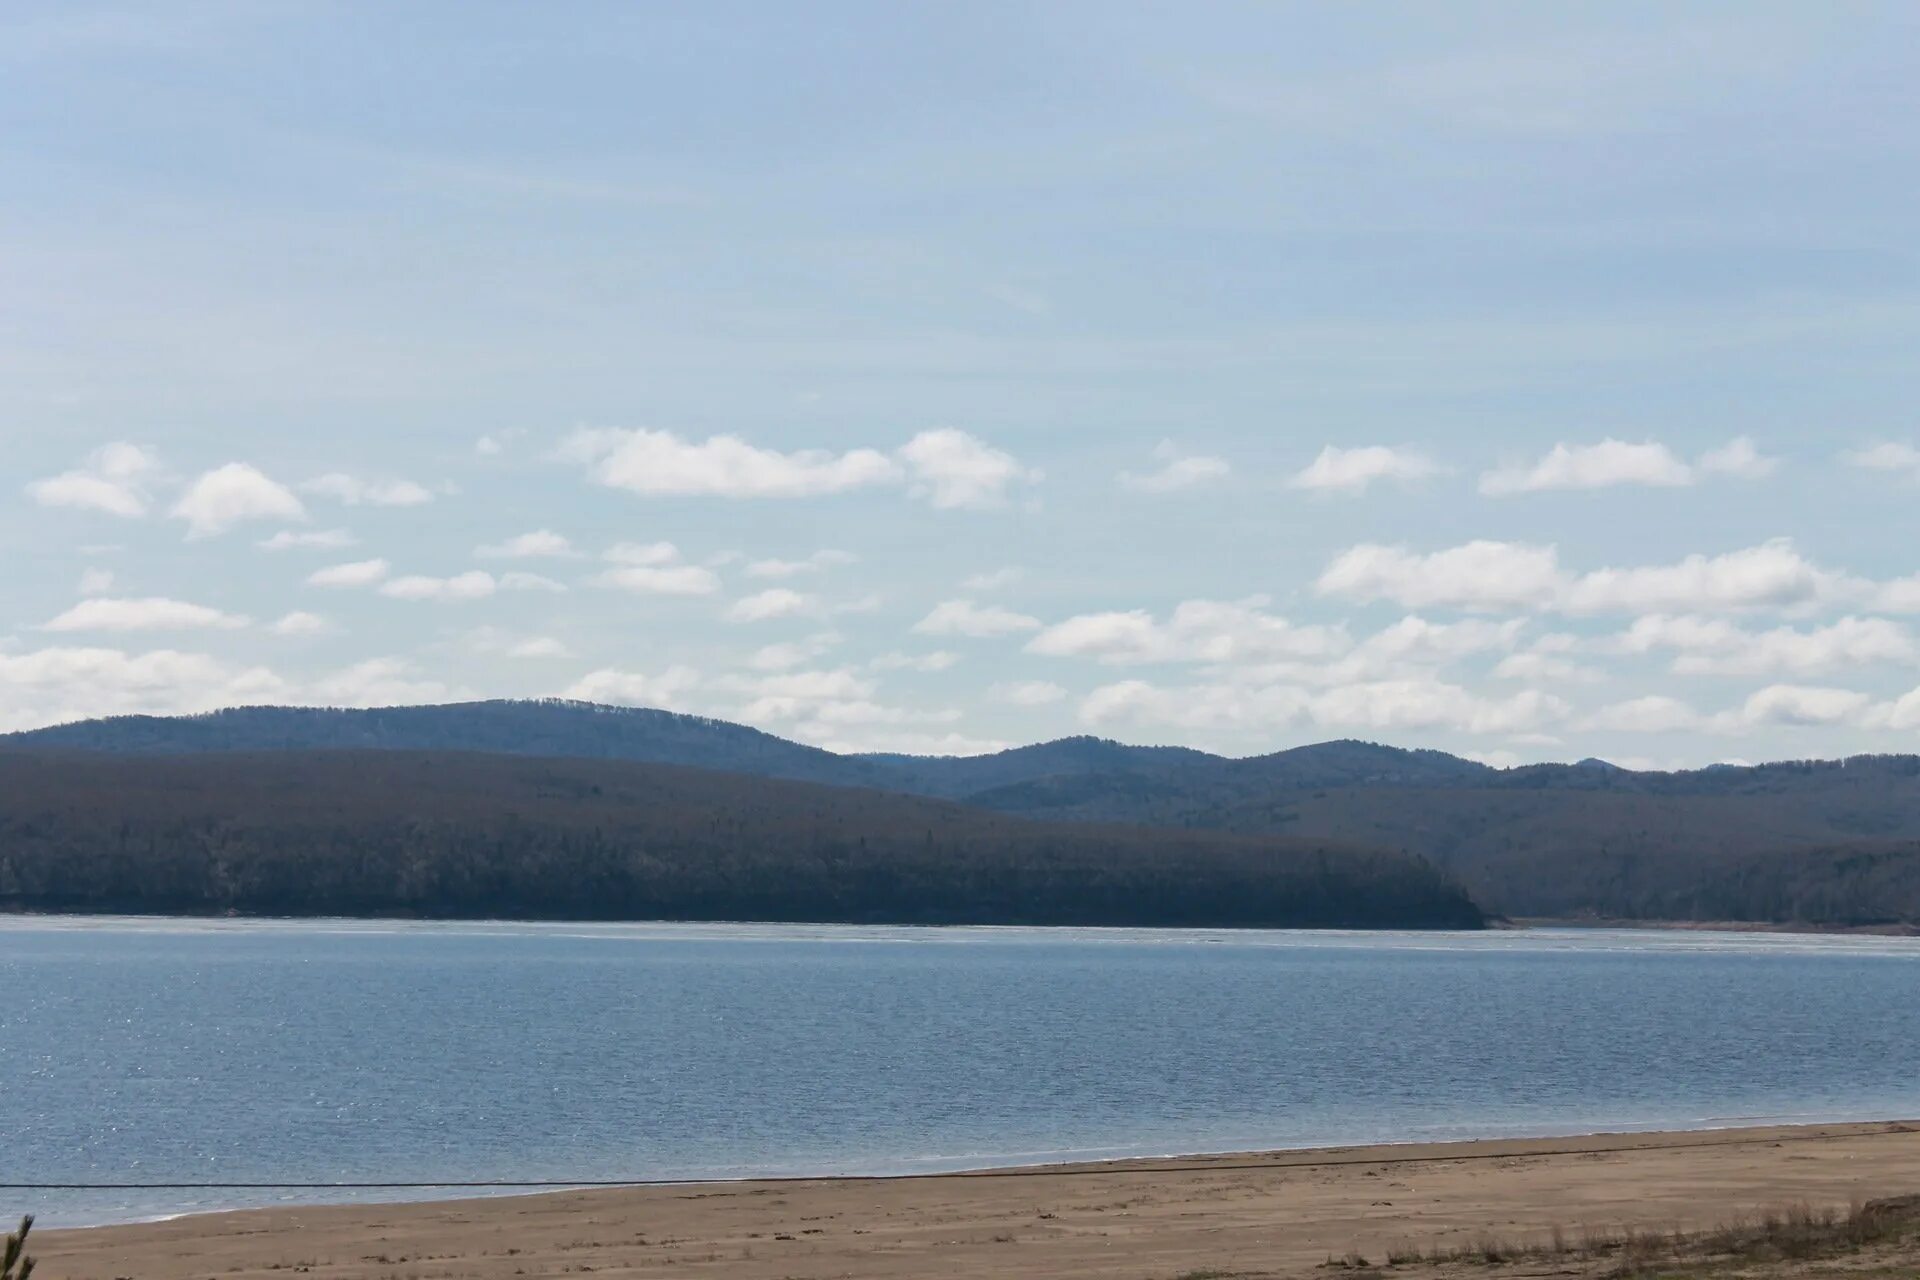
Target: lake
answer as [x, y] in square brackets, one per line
[342, 1051]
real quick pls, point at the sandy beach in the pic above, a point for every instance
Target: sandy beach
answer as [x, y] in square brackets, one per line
[1272, 1214]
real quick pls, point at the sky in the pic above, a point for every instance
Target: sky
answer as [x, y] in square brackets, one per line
[1530, 382]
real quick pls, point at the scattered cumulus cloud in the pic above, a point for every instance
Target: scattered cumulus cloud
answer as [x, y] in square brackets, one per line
[55, 685]
[1339, 470]
[300, 623]
[474, 584]
[668, 689]
[660, 580]
[153, 613]
[966, 618]
[95, 582]
[641, 553]
[353, 491]
[794, 653]
[654, 569]
[662, 464]
[541, 543]
[1894, 456]
[355, 573]
[1027, 693]
[233, 494]
[1739, 458]
[308, 539]
[948, 468]
[1591, 466]
[114, 480]
[952, 469]
[937, 660]
[538, 647]
[993, 579]
[1495, 576]
[1718, 647]
[774, 602]
[1176, 471]
[1612, 463]
[819, 560]
[1210, 631]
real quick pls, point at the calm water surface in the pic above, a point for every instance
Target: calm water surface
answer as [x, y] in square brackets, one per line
[166, 1051]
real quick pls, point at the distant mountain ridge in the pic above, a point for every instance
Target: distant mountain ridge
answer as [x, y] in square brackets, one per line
[1789, 840]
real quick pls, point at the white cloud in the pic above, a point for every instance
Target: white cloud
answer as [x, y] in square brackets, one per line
[947, 467]
[660, 580]
[150, 614]
[355, 492]
[965, 618]
[318, 539]
[1487, 575]
[1886, 456]
[1378, 706]
[1784, 704]
[667, 690]
[1591, 466]
[229, 495]
[1026, 693]
[379, 682]
[993, 579]
[641, 553]
[474, 584]
[793, 653]
[1653, 713]
[1211, 631]
[95, 582]
[654, 568]
[819, 560]
[538, 647]
[541, 543]
[114, 480]
[1535, 667]
[1176, 471]
[1353, 470]
[953, 469]
[1713, 646]
[937, 660]
[356, 573]
[517, 580]
[660, 463]
[300, 623]
[1772, 575]
[904, 741]
[1476, 575]
[1739, 458]
[56, 685]
[1433, 704]
[1902, 713]
[774, 602]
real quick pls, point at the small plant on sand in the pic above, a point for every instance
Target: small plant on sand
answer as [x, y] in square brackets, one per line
[14, 1262]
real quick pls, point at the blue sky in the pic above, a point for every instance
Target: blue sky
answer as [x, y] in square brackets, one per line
[1528, 381]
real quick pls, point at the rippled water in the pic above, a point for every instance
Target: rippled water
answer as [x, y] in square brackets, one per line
[167, 1051]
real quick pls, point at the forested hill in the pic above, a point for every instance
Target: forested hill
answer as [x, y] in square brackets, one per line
[465, 835]
[1786, 840]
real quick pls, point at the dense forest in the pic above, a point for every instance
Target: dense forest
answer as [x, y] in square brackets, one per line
[445, 834]
[1779, 842]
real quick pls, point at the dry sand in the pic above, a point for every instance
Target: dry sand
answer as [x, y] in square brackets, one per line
[1278, 1214]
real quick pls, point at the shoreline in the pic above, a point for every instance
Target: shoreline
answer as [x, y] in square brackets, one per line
[1211, 1209]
